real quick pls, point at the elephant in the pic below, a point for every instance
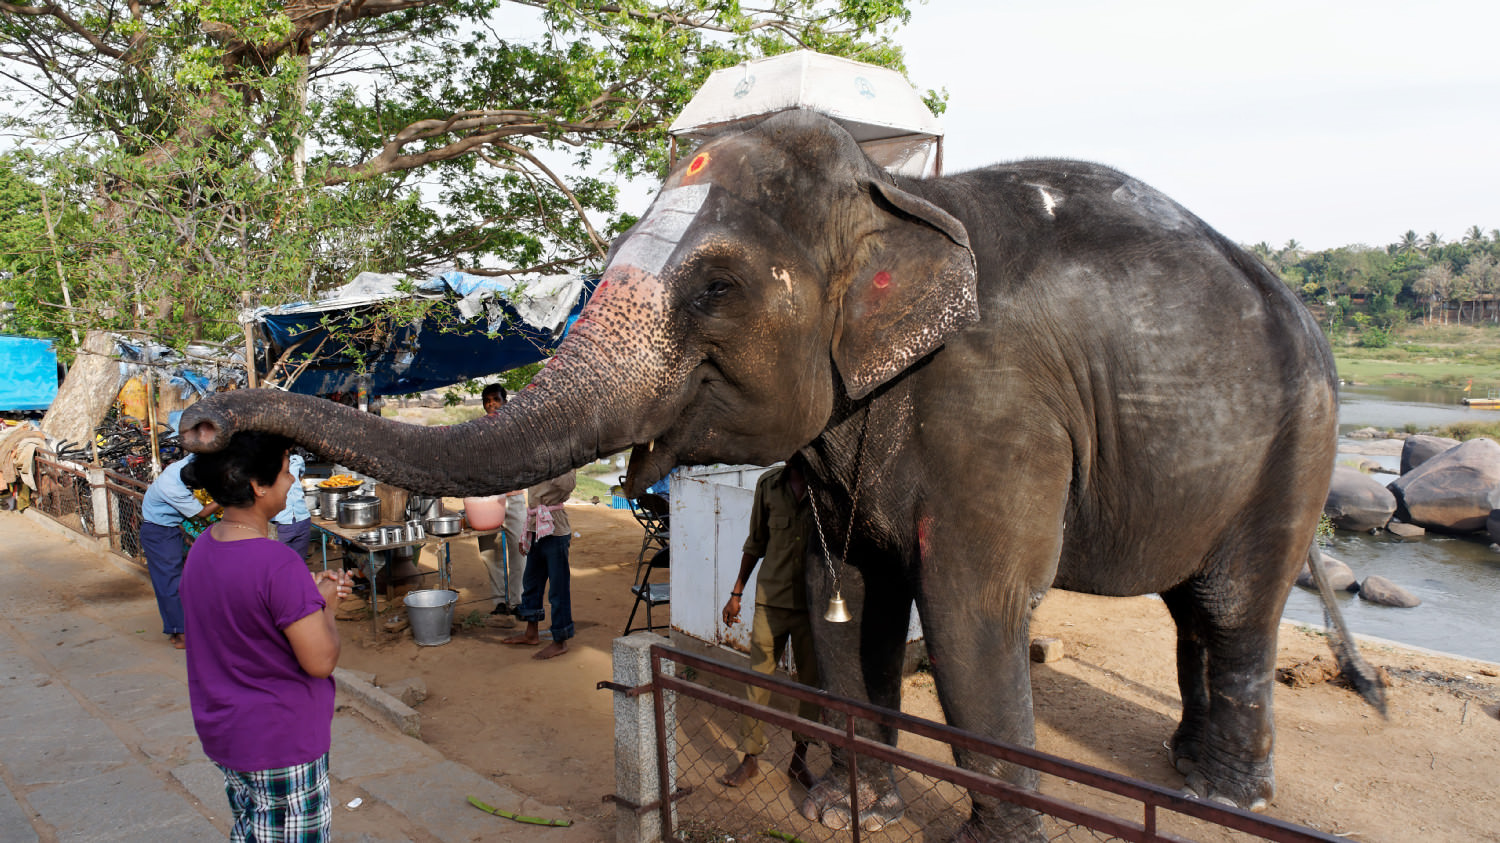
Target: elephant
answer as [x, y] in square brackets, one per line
[1040, 374]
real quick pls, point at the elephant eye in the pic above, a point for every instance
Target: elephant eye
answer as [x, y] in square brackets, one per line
[716, 293]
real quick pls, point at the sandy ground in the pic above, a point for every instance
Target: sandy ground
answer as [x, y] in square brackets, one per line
[1427, 773]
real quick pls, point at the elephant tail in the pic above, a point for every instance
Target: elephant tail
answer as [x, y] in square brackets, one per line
[1352, 665]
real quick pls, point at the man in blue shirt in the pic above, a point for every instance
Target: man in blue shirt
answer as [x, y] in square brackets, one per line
[294, 524]
[168, 501]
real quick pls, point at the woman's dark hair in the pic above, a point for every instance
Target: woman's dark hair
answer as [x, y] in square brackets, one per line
[250, 455]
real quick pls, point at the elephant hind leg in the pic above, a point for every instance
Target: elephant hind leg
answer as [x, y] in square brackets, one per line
[1223, 744]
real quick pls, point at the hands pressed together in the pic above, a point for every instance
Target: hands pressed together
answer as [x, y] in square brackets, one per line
[334, 585]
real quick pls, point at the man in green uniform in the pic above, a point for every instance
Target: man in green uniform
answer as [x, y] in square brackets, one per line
[780, 521]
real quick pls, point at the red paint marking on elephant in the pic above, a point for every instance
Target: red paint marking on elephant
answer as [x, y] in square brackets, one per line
[698, 164]
[882, 279]
[923, 527]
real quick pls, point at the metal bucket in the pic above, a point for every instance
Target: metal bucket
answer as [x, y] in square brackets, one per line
[430, 612]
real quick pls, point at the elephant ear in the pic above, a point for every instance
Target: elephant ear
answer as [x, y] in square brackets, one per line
[912, 287]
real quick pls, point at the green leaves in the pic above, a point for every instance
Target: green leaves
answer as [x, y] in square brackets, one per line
[200, 150]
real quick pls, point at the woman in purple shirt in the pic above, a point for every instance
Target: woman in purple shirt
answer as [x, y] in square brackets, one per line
[263, 648]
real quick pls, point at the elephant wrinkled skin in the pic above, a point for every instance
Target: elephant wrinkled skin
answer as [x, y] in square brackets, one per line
[1039, 374]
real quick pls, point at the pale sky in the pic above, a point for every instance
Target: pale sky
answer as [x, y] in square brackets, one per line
[1333, 122]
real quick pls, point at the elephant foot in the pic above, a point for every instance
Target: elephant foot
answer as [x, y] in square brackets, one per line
[1247, 785]
[828, 803]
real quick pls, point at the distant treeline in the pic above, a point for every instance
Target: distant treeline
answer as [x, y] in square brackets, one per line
[1377, 289]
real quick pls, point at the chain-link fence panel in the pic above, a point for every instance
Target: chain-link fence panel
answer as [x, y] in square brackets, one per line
[125, 497]
[61, 488]
[930, 800]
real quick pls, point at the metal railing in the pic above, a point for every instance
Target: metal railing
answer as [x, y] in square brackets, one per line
[1076, 801]
[97, 502]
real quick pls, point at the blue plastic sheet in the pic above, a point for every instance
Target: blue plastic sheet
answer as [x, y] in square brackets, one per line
[414, 358]
[29, 379]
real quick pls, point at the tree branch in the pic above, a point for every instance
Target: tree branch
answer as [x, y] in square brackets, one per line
[594, 237]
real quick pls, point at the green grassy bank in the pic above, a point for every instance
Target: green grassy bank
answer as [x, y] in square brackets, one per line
[1442, 355]
[1431, 356]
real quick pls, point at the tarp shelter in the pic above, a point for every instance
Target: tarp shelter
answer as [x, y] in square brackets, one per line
[874, 104]
[481, 326]
[29, 379]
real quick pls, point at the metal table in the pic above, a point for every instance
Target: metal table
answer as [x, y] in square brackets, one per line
[377, 554]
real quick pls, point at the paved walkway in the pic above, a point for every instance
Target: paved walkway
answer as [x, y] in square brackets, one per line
[97, 741]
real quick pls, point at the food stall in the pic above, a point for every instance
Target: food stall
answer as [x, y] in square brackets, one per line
[378, 530]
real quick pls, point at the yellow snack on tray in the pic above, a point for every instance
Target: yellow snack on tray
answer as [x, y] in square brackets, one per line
[340, 481]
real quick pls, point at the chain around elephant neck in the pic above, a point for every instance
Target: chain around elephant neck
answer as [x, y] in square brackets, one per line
[859, 468]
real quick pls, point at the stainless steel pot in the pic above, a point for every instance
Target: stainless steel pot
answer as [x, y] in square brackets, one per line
[444, 525]
[359, 511]
[328, 501]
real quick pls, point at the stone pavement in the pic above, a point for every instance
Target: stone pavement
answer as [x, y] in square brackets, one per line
[97, 741]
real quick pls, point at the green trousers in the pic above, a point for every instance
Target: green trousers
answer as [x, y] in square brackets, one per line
[770, 632]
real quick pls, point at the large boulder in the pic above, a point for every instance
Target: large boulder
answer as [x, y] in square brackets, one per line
[1340, 576]
[1377, 589]
[1420, 448]
[1357, 501]
[1454, 491]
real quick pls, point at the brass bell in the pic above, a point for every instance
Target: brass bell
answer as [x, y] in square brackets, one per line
[838, 611]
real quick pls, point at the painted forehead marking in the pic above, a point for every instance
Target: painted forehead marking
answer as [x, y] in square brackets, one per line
[698, 164]
[656, 236]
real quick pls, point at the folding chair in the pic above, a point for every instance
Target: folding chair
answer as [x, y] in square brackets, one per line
[651, 511]
[652, 594]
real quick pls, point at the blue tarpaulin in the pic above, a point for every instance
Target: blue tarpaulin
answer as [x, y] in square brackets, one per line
[479, 326]
[28, 373]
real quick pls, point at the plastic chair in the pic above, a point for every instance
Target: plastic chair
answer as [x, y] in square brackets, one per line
[651, 594]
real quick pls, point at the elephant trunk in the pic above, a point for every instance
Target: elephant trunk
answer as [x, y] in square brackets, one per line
[595, 397]
[542, 433]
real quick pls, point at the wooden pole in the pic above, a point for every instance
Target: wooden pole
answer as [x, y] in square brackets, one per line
[254, 380]
[151, 372]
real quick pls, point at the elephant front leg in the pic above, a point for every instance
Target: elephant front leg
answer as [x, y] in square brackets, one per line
[981, 668]
[860, 659]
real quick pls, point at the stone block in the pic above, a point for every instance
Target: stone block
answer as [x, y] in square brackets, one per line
[1044, 649]
[411, 690]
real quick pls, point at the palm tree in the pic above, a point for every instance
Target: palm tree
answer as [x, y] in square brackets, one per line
[1431, 241]
[1408, 242]
[1474, 237]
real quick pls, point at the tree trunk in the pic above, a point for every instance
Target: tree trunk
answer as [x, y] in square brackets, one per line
[85, 396]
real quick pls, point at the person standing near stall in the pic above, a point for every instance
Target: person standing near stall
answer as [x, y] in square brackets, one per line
[264, 648]
[546, 541]
[501, 552]
[167, 502]
[294, 523]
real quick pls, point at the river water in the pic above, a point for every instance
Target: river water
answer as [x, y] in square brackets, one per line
[1458, 579]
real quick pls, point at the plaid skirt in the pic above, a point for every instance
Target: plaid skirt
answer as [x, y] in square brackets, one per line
[285, 805]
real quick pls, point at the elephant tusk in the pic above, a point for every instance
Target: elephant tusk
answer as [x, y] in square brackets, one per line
[651, 446]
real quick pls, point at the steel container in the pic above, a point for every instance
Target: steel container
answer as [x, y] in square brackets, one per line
[328, 501]
[359, 511]
[444, 525]
[423, 507]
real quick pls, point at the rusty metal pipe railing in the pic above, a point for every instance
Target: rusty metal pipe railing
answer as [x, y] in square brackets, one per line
[1151, 797]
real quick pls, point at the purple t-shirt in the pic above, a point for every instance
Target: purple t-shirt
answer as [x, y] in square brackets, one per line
[253, 705]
